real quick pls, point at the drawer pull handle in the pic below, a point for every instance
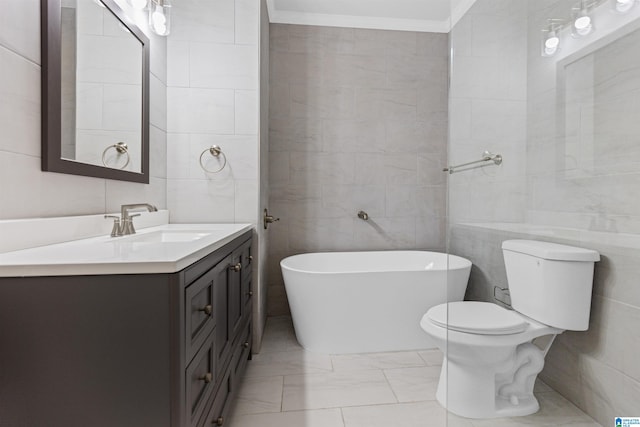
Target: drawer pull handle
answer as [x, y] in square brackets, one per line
[245, 345]
[208, 309]
[219, 421]
[250, 258]
[236, 267]
[207, 378]
[250, 293]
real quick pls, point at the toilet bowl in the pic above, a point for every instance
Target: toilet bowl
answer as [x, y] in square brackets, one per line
[491, 363]
[490, 367]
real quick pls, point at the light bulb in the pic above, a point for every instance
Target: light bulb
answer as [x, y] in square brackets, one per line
[624, 5]
[552, 42]
[139, 4]
[582, 23]
[160, 17]
[159, 20]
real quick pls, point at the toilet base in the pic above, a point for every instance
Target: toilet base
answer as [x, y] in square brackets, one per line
[492, 391]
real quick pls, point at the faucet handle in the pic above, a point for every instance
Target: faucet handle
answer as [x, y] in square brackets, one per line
[116, 230]
[127, 225]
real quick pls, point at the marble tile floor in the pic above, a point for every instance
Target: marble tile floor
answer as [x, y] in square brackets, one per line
[286, 386]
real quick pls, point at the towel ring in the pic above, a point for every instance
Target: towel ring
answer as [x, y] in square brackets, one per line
[215, 151]
[121, 148]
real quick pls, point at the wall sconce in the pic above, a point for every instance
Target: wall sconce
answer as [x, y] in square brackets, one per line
[623, 6]
[160, 17]
[582, 21]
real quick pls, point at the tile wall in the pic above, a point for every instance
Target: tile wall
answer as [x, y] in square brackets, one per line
[583, 153]
[504, 91]
[358, 121]
[26, 191]
[213, 99]
[488, 111]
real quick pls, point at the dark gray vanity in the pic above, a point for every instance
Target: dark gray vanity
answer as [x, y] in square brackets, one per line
[134, 350]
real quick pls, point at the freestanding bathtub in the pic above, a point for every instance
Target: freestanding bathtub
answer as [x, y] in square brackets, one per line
[364, 302]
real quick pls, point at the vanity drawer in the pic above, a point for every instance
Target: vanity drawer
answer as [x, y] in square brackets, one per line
[200, 377]
[200, 318]
[219, 412]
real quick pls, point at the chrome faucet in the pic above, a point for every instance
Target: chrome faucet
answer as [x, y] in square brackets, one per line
[123, 225]
[127, 220]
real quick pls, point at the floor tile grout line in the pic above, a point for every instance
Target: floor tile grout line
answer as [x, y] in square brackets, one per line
[389, 384]
[327, 408]
[282, 396]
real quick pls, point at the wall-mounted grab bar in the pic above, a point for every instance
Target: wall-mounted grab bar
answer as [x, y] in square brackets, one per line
[486, 157]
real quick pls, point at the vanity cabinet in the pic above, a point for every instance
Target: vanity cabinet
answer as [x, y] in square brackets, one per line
[161, 350]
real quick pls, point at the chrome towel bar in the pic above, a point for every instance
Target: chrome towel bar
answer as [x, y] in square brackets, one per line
[486, 157]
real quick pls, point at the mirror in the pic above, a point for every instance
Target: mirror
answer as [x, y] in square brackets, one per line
[598, 87]
[95, 91]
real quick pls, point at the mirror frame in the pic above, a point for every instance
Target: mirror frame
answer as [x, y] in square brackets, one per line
[52, 160]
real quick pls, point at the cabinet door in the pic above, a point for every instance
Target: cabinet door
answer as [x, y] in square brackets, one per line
[199, 317]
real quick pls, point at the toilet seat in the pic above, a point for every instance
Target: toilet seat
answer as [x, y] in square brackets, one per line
[475, 317]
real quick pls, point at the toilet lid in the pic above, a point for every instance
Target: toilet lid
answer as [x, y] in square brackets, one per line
[474, 317]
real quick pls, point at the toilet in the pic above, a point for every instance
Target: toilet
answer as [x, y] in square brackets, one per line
[491, 362]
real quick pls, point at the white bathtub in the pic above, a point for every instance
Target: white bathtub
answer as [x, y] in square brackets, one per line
[362, 302]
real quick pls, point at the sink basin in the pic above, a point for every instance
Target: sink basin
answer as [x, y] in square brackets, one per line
[169, 236]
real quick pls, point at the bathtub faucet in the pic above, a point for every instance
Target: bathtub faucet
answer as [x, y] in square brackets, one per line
[363, 215]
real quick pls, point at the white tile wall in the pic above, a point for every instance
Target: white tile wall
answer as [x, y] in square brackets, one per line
[19, 25]
[20, 106]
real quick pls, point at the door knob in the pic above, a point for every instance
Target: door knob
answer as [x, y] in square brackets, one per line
[268, 219]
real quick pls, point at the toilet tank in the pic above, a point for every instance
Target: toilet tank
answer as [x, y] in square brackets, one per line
[550, 283]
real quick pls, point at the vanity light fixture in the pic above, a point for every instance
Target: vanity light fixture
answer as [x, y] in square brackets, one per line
[160, 17]
[138, 4]
[582, 20]
[623, 6]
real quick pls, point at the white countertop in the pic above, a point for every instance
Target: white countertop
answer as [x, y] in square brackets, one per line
[141, 253]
